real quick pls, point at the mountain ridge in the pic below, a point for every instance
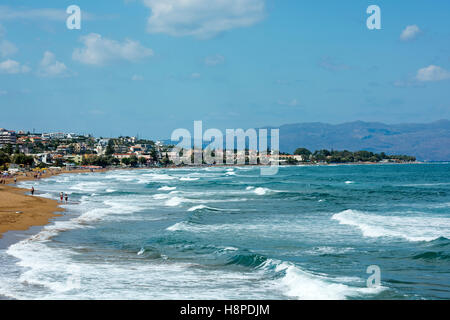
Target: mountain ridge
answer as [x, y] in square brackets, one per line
[426, 141]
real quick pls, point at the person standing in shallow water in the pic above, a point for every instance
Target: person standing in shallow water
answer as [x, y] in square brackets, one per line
[61, 196]
[32, 191]
[66, 197]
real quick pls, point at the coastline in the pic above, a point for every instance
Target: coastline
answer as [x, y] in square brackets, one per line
[17, 252]
[19, 211]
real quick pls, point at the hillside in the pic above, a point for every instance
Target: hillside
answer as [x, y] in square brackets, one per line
[429, 141]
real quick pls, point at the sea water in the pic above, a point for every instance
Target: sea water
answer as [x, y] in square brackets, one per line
[309, 232]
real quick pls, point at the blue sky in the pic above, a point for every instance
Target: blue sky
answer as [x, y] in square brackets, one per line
[148, 67]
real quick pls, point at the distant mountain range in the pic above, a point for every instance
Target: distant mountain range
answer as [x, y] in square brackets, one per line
[430, 141]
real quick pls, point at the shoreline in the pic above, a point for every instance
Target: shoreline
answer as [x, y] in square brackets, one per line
[21, 212]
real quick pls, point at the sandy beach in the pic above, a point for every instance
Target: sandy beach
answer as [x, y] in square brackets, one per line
[19, 210]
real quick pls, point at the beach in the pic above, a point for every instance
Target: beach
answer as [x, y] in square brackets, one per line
[310, 232]
[19, 210]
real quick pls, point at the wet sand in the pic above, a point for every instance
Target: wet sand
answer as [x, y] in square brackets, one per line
[20, 211]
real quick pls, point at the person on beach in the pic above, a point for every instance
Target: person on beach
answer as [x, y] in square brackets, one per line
[32, 191]
[61, 196]
[15, 180]
[66, 197]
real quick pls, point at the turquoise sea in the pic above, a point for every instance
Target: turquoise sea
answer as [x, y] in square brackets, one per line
[309, 232]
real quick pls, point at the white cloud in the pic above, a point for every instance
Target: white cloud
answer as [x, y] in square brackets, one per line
[291, 103]
[329, 64]
[432, 73]
[13, 67]
[49, 14]
[408, 83]
[99, 51]
[9, 13]
[50, 67]
[410, 33]
[137, 77]
[202, 18]
[7, 48]
[214, 60]
[195, 75]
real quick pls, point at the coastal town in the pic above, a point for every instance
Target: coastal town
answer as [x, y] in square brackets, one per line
[21, 151]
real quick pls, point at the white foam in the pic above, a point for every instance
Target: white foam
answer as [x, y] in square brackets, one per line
[304, 285]
[88, 186]
[230, 249]
[52, 273]
[177, 226]
[244, 168]
[195, 208]
[261, 191]
[233, 227]
[174, 202]
[167, 188]
[201, 207]
[188, 179]
[328, 250]
[411, 228]
[349, 182]
[160, 196]
[158, 176]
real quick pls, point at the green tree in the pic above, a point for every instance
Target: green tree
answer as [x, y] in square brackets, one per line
[9, 149]
[133, 160]
[291, 161]
[154, 154]
[115, 161]
[165, 161]
[125, 161]
[110, 148]
[4, 158]
[305, 153]
[22, 159]
[59, 162]
[142, 160]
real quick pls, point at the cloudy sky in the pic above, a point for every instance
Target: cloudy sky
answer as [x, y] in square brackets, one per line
[148, 67]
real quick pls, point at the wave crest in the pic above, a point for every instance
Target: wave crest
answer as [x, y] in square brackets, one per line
[410, 228]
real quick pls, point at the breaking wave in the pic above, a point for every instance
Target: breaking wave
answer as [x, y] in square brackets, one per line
[411, 228]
